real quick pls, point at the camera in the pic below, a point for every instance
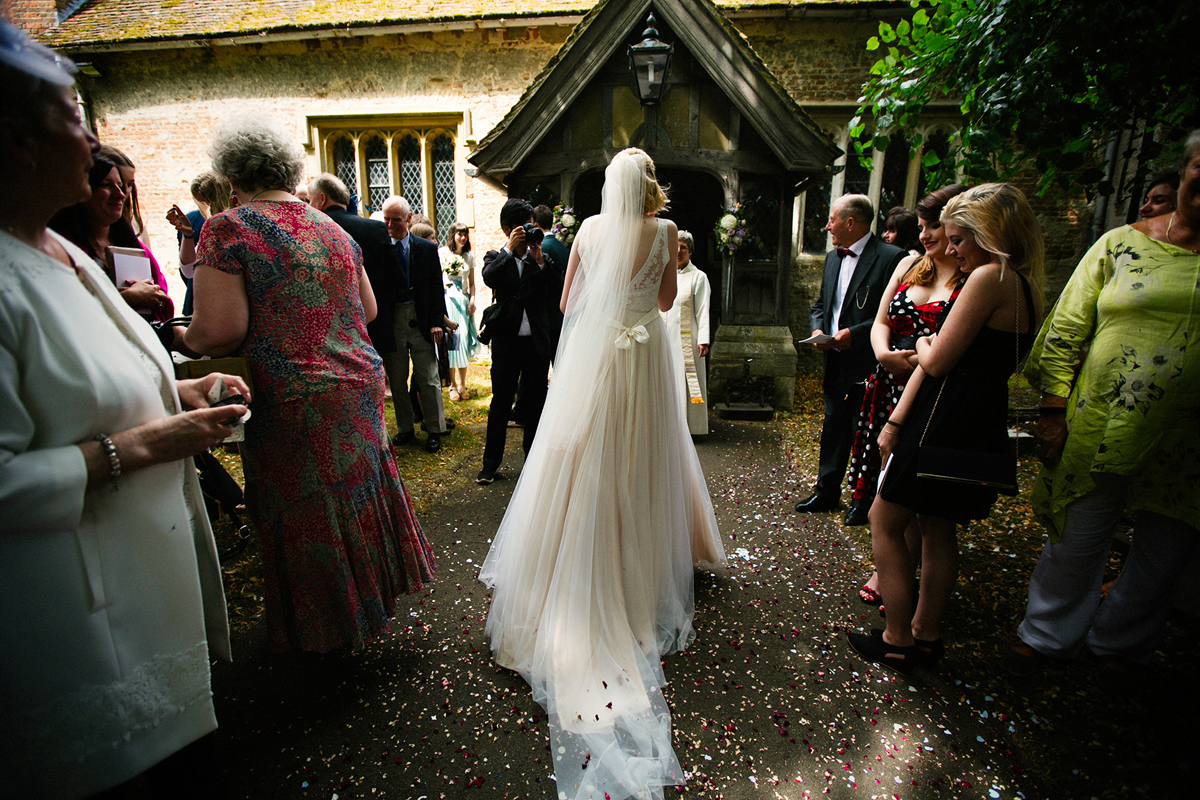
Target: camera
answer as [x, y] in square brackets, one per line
[533, 234]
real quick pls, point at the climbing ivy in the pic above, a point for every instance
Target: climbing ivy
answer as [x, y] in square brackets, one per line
[1042, 84]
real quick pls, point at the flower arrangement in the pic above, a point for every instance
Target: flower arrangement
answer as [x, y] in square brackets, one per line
[565, 224]
[452, 264]
[731, 229]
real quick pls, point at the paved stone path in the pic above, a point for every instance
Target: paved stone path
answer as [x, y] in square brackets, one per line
[769, 702]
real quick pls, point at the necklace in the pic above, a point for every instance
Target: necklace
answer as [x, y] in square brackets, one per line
[1170, 241]
[260, 194]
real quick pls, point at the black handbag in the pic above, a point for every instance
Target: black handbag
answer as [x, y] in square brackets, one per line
[994, 470]
[496, 316]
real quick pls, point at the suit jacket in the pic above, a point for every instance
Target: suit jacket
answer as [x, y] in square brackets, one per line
[863, 294]
[425, 277]
[530, 293]
[379, 260]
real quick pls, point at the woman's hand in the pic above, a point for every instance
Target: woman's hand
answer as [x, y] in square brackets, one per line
[161, 441]
[143, 294]
[1050, 435]
[176, 217]
[886, 441]
[898, 363]
[193, 392]
[471, 308]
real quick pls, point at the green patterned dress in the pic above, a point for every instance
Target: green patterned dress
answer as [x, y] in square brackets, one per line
[1128, 323]
[340, 541]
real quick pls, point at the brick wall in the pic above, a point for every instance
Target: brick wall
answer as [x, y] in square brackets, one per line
[32, 15]
[162, 107]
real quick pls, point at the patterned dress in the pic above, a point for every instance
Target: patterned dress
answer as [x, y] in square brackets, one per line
[340, 541]
[908, 323]
[1131, 315]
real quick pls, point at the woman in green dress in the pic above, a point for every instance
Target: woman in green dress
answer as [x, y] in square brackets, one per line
[1118, 365]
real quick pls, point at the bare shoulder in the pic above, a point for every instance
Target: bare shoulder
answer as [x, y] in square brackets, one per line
[671, 226]
[904, 266]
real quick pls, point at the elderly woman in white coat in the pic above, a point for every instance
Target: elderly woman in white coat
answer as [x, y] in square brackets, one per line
[687, 328]
[110, 595]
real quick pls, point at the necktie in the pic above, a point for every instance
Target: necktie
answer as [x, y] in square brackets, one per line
[403, 261]
[844, 251]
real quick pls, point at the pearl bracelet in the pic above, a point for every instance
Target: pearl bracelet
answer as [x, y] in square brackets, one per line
[114, 462]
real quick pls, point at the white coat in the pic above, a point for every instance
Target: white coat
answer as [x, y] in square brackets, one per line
[110, 601]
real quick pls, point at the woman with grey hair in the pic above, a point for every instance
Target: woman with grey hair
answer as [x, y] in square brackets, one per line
[283, 285]
[111, 607]
[1119, 373]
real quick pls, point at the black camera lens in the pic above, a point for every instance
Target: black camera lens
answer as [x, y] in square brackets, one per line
[533, 234]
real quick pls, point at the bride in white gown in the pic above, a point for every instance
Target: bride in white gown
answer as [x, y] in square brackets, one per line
[592, 566]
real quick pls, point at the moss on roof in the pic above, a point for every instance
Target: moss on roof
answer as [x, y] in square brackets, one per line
[132, 21]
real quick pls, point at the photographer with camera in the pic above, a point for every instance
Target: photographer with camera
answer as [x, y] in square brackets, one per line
[517, 326]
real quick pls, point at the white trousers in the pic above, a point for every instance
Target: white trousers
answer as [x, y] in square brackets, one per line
[1064, 605]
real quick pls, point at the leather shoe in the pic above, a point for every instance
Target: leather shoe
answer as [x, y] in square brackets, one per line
[404, 438]
[485, 476]
[817, 503]
[857, 515]
[432, 443]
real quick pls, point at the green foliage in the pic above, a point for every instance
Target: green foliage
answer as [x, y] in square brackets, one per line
[1041, 83]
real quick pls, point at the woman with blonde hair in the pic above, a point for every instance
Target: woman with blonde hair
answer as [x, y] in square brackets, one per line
[956, 398]
[592, 566]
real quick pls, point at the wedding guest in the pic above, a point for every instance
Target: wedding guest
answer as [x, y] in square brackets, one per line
[419, 303]
[111, 607]
[901, 229]
[1120, 384]
[132, 212]
[687, 330]
[1160, 197]
[281, 284]
[461, 307]
[914, 301]
[856, 272]
[97, 224]
[211, 196]
[956, 398]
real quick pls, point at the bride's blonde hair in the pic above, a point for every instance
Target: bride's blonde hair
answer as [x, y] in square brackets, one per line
[656, 198]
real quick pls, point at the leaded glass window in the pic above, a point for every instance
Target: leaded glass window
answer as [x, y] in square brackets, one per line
[443, 185]
[378, 184]
[343, 164]
[412, 184]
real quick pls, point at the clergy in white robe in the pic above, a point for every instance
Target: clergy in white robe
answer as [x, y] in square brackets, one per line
[687, 326]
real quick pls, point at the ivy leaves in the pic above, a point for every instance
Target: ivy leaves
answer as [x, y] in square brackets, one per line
[1040, 84]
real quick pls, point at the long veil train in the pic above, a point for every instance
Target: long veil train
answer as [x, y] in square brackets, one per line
[592, 565]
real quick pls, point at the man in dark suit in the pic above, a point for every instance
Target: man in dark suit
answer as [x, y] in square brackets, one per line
[856, 273]
[524, 280]
[543, 217]
[327, 193]
[418, 314]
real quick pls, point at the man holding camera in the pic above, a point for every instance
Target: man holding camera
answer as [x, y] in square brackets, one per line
[518, 328]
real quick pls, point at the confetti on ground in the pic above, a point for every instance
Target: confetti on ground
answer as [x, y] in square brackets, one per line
[767, 702]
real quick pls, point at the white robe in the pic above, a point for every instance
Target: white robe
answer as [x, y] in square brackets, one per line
[697, 413]
[110, 601]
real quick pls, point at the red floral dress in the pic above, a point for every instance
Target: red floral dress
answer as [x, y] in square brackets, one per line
[882, 391]
[340, 541]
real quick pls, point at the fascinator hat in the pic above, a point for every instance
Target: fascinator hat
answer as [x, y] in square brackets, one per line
[19, 52]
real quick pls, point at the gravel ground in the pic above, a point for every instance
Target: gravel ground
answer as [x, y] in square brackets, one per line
[768, 702]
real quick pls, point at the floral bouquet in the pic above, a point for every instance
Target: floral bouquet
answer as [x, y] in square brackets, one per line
[565, 224]
[452, 264]
[731, 229]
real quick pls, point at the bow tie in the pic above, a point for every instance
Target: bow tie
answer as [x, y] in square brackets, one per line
[844, 251]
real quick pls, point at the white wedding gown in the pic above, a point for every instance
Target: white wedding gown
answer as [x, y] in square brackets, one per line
[592, 567]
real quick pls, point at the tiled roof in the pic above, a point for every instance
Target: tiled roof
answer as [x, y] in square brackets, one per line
[129, 21]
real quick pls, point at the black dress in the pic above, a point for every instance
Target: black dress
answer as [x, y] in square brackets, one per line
[972, 414]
